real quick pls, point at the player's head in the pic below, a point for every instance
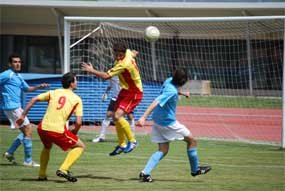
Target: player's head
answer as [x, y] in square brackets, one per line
[15, 62]
[119, 50]
[179, 77]
[69, 81]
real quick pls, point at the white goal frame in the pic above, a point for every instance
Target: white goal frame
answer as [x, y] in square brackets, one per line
[69, 19]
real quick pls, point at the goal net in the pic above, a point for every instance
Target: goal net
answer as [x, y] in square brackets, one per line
[235, 68]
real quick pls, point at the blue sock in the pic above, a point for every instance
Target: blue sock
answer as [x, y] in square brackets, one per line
[153, 162]
[193, 159]
[17, 142]
[27, 142]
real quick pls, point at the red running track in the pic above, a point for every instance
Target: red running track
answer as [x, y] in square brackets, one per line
[233, 123]
[256, 125]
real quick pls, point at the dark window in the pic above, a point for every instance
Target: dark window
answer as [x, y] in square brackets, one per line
[39, 54]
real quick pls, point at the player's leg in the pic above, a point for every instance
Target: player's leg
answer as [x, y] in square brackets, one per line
[76, 146]
[123, 124]
[118, 116]
[9, 154]
[192, 153]
[44, 159]
[25, 137]
[45, 153]
[72, 156]
[131, 120]
[106, 122]
[125, 104]
[153, 161]
[27, 130]
[163, 146]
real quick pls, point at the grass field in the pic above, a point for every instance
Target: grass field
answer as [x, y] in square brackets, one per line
[232, 102]
[236, 167]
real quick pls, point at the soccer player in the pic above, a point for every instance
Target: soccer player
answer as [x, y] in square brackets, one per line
[166, 128]
[115, 87]
[130, 96]
[63, 102]
[11, 85]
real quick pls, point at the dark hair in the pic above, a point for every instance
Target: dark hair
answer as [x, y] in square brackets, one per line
[179, 77]
[14, 55]
[67, 79]
[120, 47]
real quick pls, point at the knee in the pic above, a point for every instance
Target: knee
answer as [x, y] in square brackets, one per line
[191, 141]
[28, 131]
[82, 145]
[115, 117]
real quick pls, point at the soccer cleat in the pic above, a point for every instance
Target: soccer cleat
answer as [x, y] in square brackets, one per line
[145, 177]
[67, 175]
[42, 178]
[9, 157]
[130, 146]
[31, 164]
[98, 139]
[201, 170]
[118, 150]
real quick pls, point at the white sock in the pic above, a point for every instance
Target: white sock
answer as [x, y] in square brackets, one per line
[105, 123]
[133, 125]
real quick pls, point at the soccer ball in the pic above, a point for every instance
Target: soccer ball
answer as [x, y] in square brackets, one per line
[151, 33]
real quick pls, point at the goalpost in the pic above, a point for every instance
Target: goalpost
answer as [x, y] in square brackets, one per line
[235, 66]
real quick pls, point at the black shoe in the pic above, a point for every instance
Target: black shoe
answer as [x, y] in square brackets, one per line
[68, 176]
[118, 150]
[145, 177]
[202, 170]
[42, 179]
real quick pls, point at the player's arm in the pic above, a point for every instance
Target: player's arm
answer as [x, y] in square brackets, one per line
[77, 125]
[78, 119]
[147, 112]
[3, 78]
[186, 94]
[34, 88]
[87, 67]
[20, 120]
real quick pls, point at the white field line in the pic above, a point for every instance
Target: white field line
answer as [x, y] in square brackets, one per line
[228, 114]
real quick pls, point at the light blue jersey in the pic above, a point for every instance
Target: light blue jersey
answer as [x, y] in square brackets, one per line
[164, 113]
[11, 85]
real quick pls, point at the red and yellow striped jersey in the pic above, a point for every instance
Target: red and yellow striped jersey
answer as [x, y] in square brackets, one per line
[62, 103]
[128, 73]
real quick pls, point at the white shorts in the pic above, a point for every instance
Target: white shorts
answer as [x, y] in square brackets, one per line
[13, 115]
[162, 134]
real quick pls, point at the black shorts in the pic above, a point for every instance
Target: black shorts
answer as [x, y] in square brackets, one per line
[111, 105]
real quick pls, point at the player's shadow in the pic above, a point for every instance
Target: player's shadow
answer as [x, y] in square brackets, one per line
[90, 176]
[49, 180]
[134, 179]
[169, 180]
[9, 164]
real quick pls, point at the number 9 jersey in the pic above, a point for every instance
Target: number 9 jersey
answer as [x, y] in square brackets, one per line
[62, 103]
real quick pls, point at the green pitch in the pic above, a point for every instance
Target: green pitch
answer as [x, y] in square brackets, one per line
[236, 167]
